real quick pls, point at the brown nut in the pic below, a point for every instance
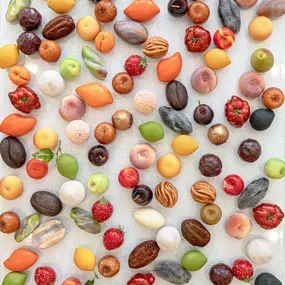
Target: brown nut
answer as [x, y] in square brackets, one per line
[155, 47]
[59, 27]
[105, 11]
[105, 133]
[50, 51]
[143, 254]
[166, 194]
[123, 83]
[195, 233]
[9, 222]
[203, 192]
[211, 214]
[108, 266]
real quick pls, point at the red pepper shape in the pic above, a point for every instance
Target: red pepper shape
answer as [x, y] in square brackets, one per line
[268, 216]
[197, 39]
[24, 99]
[142, 279]
[237, 111]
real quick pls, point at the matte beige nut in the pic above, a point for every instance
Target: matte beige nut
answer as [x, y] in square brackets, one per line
[203, 192]
[166, 194]
[155, 47]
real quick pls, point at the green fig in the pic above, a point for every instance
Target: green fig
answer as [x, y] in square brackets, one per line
[28, 225]
[152, 131]
[67, 166]
[15, 278]
[275, 168]
[193, 260]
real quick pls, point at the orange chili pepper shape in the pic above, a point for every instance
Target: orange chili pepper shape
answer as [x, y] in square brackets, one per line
[168, 69]
[17, 125]
[142, 10]
[21, 259]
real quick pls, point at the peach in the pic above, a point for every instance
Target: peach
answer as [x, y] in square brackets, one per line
[72, 108]
[104, 42]
[142, 156]
[238, 226]
[260, 28]
[204, 80]
[251, 84]
[45, 138]
[11, 187]
[88, 28]
[169, 165]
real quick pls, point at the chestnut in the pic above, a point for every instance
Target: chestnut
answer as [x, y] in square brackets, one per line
[98, 155]
[108, 266]
[218, 134]
[142, 195]
[249, 150]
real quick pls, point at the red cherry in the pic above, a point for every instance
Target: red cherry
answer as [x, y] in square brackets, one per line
[233, 185]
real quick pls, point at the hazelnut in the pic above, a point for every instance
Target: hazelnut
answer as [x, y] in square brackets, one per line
[203, 192]
[155, 47]
[218, 134]
[166, 194]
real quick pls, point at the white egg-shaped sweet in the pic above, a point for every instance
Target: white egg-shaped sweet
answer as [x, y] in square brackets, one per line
[149, 218]
[168, 238]
[260, 250]
[51, 83]
[72, 193]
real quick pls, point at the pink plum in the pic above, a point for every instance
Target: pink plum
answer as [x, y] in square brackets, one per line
[142, 156]
[72, 108]
[204, 80]
[251, 84]
[238, 226]
[71, 281]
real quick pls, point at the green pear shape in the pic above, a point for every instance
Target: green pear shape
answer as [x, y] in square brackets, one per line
[193, 260]
[67, 166]
[15, 278]
[152, 131]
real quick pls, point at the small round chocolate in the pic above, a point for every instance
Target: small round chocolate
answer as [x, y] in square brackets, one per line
[221, 274]
[122, 120]
[109, 266]
[210, 165]
[218, 134]
[142, 195]
[98, 155]
[123, 83]
[249, 150]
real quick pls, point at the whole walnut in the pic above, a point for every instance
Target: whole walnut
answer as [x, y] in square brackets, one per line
[155, 47]
[203, 192]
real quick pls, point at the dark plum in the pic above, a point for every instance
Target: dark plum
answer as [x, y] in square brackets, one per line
[249, 150]
[203, 114]
[142, 195]
[210, 165]
[221, 274]
[30, 19]
[178, 8]
[98, 155]
[28, 43]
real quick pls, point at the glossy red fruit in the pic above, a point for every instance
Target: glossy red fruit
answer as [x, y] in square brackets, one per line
[129, 177]
[135, 65]
[37, 169]
[45, 276]
[233, 185]
[102, 210]
[142, 279]
[224, 38]
[243, 270]
[113, 238]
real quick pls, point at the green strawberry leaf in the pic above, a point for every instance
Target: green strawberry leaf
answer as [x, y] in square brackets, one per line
[90, 282]
[45, 155]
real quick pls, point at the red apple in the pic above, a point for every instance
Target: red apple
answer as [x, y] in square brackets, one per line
[233, 185]
[71, 281]
[129, 177]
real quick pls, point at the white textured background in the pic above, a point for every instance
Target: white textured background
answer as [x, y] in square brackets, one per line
[222, 248]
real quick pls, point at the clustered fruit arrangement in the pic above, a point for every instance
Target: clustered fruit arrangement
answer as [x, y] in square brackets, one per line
[142, 156]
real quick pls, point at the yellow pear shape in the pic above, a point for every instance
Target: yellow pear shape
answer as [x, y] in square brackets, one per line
[217, 59]
[84, 259]
[61, 6]
[184, 145]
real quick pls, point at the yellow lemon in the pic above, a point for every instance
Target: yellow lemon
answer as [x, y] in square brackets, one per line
[184, 145]
[260, 28]
[61, 6]
[217, 59]
[84, 259]
[9, 56]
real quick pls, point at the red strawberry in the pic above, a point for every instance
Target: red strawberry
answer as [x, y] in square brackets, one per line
[102, 210]
[45, 276]
[135, 65]
[243, 270]
[113, 238]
